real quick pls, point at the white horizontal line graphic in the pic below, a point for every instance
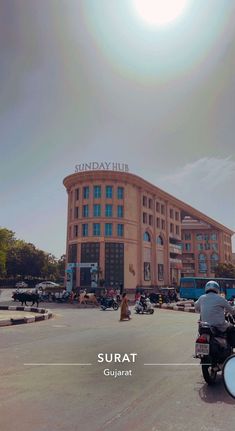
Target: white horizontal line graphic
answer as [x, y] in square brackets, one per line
[55, 364]
[173, 364]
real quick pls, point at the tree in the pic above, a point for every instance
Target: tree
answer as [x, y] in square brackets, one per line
[7, 238]
[225, 270]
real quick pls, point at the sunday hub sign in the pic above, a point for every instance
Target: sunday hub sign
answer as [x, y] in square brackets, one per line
[102, 166]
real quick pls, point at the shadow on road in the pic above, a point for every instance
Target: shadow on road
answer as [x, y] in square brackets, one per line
[215, 393]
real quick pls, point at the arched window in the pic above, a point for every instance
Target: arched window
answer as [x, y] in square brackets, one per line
[202, 265]
[147, 237]
[214, 261]
[159, 240]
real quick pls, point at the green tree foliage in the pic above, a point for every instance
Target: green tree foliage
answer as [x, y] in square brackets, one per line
[18, 258]
[7, 238]
[225, 270]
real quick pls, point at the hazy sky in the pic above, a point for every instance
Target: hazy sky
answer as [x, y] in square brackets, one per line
[90, 81]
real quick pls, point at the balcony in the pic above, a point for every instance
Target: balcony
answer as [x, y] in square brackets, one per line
[174, 248]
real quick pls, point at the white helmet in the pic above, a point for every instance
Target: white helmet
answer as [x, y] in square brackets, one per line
[212, 286]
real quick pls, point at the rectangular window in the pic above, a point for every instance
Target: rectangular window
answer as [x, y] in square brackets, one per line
[158, 207]
[85, 229]
[214, 246]
[120, 192]
[207, 246]
[171, 228]
[158, 222]
[177, 215]
[108, 210]
[206, 237]
[145, 201]
[160, 272]
[76, 212]
[144, 218]
[150, 203]
[77, 194]
[120, 211]
[109, 192]
[187, 236]
[96, 210]
[85, 211]
[108, 229]
[187, 246]
[199, 237]
[120, 230]
[200, 246]
[150, 220]
[214, 236]
[177, 230]
[163, 224]
[97, 192]
[171, 213]
[96, 229]
[86, 192]
[162, 209]
[75, 230]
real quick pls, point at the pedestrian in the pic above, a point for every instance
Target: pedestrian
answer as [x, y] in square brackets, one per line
[125, 312]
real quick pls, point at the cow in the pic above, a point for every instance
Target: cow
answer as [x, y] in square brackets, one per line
[25, 297]
[88, 298]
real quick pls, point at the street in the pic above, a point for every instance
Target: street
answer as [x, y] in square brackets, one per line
[51, 378]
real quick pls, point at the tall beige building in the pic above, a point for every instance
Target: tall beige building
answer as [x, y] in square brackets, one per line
[138, 234]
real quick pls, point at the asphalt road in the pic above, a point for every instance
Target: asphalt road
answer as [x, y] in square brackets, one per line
[63, 395]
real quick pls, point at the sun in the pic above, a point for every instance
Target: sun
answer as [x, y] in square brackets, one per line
[159, 12]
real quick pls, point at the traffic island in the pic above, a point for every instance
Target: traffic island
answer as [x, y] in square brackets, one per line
[187, 306]
[6, 318]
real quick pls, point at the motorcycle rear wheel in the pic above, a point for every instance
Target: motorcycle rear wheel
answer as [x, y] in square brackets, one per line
[208, 373]
[115, 306]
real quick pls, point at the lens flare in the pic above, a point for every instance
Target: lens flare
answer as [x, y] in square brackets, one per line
[159, 12]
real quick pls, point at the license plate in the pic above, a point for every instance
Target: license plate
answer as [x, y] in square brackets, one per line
[202, 349]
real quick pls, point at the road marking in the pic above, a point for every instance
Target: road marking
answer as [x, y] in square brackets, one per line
[55, 364]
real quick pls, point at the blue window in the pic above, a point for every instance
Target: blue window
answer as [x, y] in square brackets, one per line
[147, 237]
[109, 191]
[97, 192]
[86, 192]
[108, 229]
[108, 210]
[85, 229]
[120, 211]
[96, 210]
[159, 240]
[85, 211]
[96, 229]
[202, 265]
[120, 230]
[120, 192]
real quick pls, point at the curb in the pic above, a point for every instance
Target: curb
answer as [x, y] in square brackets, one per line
[44, 314]
[186, 308]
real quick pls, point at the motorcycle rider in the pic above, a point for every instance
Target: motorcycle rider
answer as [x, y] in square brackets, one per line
[212, 306]
[143, 301]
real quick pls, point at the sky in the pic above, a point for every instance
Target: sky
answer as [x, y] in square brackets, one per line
[91, 80]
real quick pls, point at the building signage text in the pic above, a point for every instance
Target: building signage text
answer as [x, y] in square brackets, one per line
[104, 166]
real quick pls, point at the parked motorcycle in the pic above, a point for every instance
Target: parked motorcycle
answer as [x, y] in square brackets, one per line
[109, 303]
[146, 307]
[212, 348]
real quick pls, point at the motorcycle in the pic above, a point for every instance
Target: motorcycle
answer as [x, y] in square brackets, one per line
[141, 308]
[212, 348]
[109, 303]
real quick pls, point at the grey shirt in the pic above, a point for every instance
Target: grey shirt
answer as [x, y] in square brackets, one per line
[211, 307]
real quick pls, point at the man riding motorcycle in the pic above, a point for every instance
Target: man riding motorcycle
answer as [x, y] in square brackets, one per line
[212, 307]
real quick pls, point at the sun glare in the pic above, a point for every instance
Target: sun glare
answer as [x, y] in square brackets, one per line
[159, 12]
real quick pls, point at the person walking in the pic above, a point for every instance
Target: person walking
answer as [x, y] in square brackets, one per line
[125, 312]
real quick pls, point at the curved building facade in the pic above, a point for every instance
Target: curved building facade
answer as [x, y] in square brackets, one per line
[138, 234]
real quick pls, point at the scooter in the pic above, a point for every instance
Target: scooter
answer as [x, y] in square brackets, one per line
[146, 308]
[212, 348]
